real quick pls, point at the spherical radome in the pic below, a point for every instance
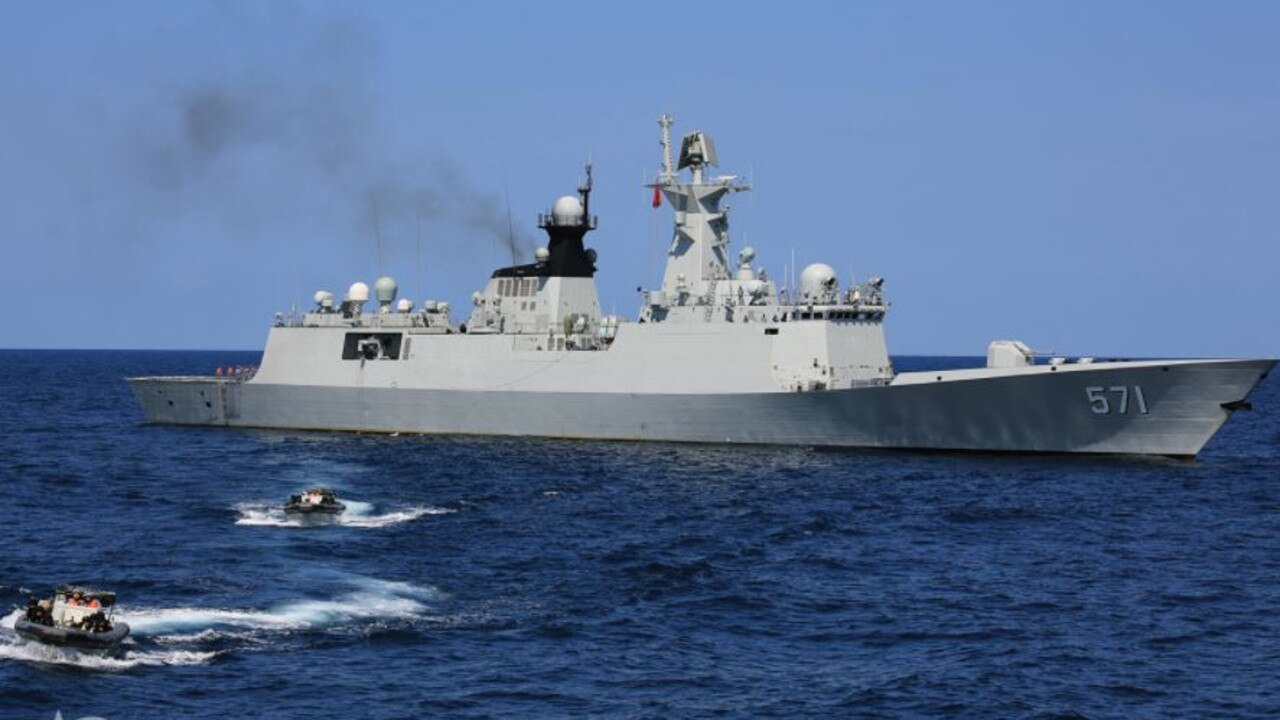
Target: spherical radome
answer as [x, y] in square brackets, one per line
[358, 292]
[567, 210]
[384, 289]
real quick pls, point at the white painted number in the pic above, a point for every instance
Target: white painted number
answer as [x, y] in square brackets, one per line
[1124, 397]
[1101, 405]
[1097, 401]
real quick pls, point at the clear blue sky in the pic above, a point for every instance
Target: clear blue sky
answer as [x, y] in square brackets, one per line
[1096, 178]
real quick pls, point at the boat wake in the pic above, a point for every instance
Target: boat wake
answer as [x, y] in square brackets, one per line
[375, 602]
[197, 635]
[13, 648]
[358, 514]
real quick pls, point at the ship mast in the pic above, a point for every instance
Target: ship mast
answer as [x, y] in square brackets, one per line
[668, 171]
[698, 256]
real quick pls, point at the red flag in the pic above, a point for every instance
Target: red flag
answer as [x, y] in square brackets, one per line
[657, 196]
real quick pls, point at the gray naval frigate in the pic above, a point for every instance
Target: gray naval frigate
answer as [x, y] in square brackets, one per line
[719, 353]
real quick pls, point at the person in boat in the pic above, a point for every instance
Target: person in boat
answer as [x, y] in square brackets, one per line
[45, 611]
[38, 611]
[84, 620]
[97, 622]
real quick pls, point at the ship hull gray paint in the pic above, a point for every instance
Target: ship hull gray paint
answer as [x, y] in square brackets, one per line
[1042, 412]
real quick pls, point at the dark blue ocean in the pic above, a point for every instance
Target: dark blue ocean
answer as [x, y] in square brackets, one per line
[525, 578]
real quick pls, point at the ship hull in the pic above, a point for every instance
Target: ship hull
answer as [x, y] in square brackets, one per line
[1150, 408]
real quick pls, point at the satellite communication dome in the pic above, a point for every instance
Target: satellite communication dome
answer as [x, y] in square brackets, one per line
[358, 292]
[746, 254]
[542, 254]
[323, 298]
[405, 305]
[384, 288]
[567, 211]
[818, 281]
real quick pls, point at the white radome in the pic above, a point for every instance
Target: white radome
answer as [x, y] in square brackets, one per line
[567, 210]
[818, 280]
[358, 292]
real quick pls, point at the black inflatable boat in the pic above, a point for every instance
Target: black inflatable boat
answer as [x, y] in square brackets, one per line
[74, 617]
[314, 501]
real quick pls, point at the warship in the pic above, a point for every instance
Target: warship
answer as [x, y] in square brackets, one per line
[720, 352]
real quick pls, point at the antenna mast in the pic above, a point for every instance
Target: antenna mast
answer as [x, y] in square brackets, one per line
[668, 173]
[377, 232]
[584, 190]
[417, 268]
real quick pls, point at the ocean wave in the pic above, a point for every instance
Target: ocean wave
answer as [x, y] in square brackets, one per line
[358, 514]
[376, 600]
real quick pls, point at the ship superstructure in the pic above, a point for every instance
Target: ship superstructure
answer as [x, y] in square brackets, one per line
[717, 353]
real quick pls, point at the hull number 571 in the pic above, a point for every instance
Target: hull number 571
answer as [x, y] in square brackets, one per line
[1119, 399]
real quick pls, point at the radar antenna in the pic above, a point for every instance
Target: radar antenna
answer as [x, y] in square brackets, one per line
[584, 191]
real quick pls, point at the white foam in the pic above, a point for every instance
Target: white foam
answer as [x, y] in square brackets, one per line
[391, 518]
[34, 652]
[355, 507]
[264, 515]
[373, 600]
[14, 648]
[209, 635]
[358, 514]
[378, 600]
